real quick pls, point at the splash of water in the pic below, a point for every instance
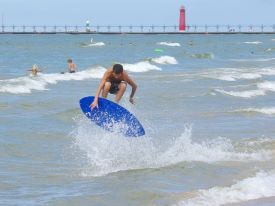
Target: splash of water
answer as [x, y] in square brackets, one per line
[111, 152]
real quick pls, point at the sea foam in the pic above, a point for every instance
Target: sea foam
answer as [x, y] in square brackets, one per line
[267, 86]
[254, 59]
[253, 42]
[234, 74]
[95, 44]
[265, 110]
[165, 60]
[260, 186]
[143, 66]
[263, 88]
[24, 85]
[172, 44]
[243, 94]
[111, 152]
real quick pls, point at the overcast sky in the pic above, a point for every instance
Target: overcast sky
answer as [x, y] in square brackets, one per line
[136, 12]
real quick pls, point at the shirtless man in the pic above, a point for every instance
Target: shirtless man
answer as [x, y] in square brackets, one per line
[115, 82]
[71, 66]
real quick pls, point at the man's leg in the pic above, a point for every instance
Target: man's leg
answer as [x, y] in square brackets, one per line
[122, 87]
[106, 89]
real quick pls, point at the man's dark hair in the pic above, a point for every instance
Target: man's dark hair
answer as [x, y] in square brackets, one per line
[118, 68]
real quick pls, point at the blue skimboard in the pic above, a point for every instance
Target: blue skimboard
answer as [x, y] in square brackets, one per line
[112, 117]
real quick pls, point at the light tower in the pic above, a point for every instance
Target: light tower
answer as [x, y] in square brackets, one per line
[182, 19]
[88, 26]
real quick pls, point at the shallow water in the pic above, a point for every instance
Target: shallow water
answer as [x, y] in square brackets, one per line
[205, 101]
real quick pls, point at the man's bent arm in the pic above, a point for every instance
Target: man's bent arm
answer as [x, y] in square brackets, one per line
[133, 85]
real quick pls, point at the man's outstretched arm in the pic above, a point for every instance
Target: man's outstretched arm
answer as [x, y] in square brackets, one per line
[98, 91]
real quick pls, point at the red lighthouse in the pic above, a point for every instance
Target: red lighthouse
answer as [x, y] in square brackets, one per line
[182, 19]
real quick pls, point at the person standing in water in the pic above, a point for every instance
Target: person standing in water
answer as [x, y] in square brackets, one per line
[34, 70]
[114, 81]
[71, 66]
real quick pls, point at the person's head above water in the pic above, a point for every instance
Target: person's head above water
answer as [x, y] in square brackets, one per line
[34, 67]
[117, 69]
[69, 60]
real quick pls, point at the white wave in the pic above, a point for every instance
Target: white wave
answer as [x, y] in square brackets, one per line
[254, 60]
[140, 67]
[267, 86]
[165, 60]
[214, 150]
[243, 94]
[263, 87]
[27, 84]
[96, 44]
[253, 42]
[21, 85]
[173, 44]
[263, 59]
[229, 78]
[110, 152]
[266, 110]
[267, 71]
[270, 49]
[248, 76]
[234, 77]
[252, 188]
[272, 39]
[233, 74]
[93, 44]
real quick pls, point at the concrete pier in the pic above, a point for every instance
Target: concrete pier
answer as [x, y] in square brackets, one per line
[147, 29]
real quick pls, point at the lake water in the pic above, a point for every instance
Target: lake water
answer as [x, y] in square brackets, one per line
[207, 103]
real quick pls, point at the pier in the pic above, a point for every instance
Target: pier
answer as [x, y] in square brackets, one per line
[140, 29]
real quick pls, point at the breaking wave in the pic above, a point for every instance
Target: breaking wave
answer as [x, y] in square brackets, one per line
[110, 152]
[265, 110]
[259, 186]
[164, 60]
[253, 42]
[172, 44]
[140, 67]
[27, 84]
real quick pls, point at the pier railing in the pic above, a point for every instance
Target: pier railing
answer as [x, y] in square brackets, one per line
[138, 29]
